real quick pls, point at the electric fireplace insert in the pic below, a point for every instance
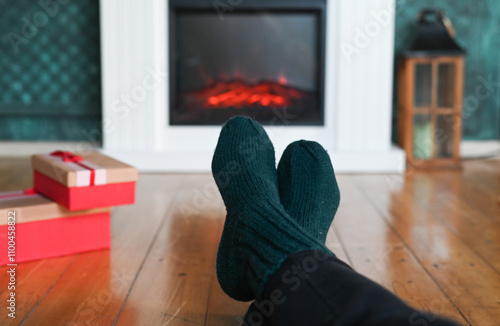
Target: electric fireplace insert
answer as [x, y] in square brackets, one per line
[263, 59]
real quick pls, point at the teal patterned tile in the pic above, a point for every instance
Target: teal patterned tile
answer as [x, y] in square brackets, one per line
[50, 69]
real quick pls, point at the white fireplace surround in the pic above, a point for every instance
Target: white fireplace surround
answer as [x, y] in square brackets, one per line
[358, 97]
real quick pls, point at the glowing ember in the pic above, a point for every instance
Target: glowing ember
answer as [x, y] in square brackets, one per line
[239, 94]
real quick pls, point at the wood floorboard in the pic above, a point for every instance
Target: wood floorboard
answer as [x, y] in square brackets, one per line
[379, 253]
[96, 284]
[173, 285]
[34, 281]
[433, 238]
[465, 220]
[471, 284]
[334, 243]
[480, 187]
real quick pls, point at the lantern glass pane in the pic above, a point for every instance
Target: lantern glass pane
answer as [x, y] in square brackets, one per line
[444, 135]
[446, 83]
[423, 85]
[422, 137]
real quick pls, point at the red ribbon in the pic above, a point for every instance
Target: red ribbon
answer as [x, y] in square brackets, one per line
[70, 157]
[29, 191]
[67, 156]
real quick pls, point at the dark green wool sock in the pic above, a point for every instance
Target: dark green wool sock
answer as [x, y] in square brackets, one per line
[258, 234]
[308, 191]
[308, 188]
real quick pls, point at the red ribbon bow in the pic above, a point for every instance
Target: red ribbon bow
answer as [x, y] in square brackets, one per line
[70, 157]
[67, 156]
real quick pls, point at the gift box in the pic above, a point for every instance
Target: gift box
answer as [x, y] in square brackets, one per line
[34, 227]
[84, 181]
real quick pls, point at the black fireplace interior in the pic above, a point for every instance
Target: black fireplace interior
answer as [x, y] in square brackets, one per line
[263, 59]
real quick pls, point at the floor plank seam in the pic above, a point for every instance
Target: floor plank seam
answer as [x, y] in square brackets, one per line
[153, 240]
[462, 239]
[384, 218]
[346, 253]
[50, 289]
[212, 281]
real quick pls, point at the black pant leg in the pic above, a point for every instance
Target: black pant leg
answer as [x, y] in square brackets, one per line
[314, 288]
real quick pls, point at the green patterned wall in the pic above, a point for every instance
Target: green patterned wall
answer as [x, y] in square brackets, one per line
[477, 25]
[50, 87]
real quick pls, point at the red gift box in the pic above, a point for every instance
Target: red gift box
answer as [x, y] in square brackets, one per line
[84, 181]
[34, 227]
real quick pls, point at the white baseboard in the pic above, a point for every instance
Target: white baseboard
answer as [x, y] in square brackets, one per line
[28, 148]
[391, 161]
[480, 149]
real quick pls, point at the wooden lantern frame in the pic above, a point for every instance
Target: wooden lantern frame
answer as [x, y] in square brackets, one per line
[407, 109]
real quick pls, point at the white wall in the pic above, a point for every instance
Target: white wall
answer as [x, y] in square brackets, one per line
[358, 91]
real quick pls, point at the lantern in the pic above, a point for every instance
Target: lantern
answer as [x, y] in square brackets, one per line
[430, 94]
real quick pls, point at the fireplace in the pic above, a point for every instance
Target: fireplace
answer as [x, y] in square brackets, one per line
[163, 106]
[262, 60]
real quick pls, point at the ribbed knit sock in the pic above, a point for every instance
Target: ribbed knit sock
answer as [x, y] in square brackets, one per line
[308, 190]
[307, 186]
[258, 234]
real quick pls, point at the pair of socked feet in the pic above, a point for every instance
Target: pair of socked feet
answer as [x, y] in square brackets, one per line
[271, 213]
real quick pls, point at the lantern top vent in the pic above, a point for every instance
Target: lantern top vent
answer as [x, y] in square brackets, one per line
[434, 36]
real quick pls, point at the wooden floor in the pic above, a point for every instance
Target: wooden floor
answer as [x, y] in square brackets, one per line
[431, 238]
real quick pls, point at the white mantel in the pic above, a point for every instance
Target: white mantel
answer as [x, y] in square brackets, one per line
[358, 96]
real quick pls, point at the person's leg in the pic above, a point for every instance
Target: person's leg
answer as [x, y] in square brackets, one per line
[315, 288]
[262, 246]
[310, 195]
[258, 233]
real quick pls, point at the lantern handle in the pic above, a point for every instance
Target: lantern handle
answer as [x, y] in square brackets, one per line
[440, 17]
[424, 14]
